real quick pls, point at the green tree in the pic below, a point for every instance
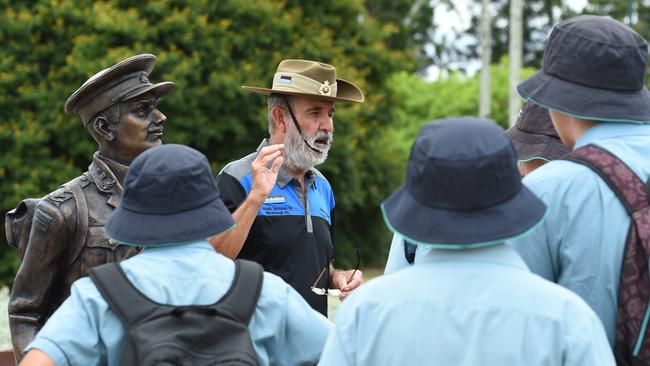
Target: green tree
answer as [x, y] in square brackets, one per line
[418, 102]
[209, 48]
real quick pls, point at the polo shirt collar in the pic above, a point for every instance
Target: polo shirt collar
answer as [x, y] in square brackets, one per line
[605, 130]
[283, 176]
[502, 254]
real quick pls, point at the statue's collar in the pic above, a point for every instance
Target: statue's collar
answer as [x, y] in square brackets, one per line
[105, 173]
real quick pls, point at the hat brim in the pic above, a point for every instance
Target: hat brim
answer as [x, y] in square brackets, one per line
[158, 90]
[346, 92]
[534, 146]
[446, 229]
[125, 226]
[586, 102]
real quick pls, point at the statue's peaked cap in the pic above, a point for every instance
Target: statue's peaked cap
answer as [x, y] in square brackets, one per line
[125, 80]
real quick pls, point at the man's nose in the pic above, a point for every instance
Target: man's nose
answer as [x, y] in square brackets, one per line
[158, 117]
[327, 124]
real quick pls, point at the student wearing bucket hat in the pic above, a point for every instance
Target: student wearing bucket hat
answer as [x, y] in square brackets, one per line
[171, 204]
[593, 83]
[283, 206]
[535, 142]
[469, 299]
[60, 239]
[535, 138]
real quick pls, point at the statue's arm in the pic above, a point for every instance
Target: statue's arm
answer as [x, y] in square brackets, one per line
[30, 303]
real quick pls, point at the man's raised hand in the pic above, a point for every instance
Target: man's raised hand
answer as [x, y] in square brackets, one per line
[265, 169]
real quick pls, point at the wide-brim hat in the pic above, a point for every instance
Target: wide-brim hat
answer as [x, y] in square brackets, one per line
[463, 188]
[594, 69]
[170, 196]
[123, 81]
[534, 136]
[310, 79]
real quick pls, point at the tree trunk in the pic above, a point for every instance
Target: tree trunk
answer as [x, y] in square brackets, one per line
[486, 55]
[515, 51]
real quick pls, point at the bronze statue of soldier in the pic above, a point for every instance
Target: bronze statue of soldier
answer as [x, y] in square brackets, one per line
[61, 236]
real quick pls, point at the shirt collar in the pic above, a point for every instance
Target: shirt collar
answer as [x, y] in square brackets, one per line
[283, 176]
[501, 254]
[605, 130]
[195, 244]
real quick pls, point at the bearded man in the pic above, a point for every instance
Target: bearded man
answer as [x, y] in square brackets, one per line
[284, 208]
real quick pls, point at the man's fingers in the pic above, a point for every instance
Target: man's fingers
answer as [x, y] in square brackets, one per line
[277, 164]
[267, 150]
[266, 159]
[355, 282]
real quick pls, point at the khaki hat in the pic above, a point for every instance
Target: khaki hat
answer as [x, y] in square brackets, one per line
[123, 81]
[311, 78]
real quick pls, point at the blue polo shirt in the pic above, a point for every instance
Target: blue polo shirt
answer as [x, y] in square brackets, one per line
[84, 331]
[292, 235]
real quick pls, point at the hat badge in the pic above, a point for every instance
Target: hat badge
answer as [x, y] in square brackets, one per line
[325, 88]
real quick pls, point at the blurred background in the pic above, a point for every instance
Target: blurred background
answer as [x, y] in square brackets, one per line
[415, 60]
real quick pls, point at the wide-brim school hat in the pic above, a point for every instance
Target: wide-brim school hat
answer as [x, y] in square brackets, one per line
[594, 69]
[125, 80]
[170, 196]
[463, 188]
[534, 136]
[310, 79]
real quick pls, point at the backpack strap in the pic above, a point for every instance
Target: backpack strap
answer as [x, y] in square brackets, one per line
[82, 223]
[130, 305]
[634, 286]
[127, 302]
[629, 189]
[240, 300]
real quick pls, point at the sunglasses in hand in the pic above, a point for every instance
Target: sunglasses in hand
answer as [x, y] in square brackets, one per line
[332, 291]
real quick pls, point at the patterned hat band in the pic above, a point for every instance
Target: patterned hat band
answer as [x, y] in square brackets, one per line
[297, 83]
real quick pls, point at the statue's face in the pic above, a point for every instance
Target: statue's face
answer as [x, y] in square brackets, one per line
[140, 126]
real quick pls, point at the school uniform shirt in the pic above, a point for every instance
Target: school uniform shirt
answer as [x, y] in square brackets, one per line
[84, 331]
[466, 307]
[580, 245]
[397, 255]
[292, 235]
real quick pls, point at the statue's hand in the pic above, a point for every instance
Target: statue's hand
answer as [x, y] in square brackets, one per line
[265, 169]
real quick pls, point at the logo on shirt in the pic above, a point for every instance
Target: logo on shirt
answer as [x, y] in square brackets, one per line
[275, 199]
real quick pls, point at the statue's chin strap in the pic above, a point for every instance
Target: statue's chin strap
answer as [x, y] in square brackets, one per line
[295, 123]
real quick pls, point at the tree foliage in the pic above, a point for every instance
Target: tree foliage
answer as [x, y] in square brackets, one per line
[208, 48]
[418, 102]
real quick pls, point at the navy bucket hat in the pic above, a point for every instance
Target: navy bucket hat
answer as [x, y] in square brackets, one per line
[462, 189]
[170, 196]
[593, 68]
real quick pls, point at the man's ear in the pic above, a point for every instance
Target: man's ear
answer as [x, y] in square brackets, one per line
[102, 128]
[280, 119]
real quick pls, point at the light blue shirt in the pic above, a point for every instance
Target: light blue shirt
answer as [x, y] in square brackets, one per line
[83, 331]
[580, 245]
[466, 307]
[396, 257]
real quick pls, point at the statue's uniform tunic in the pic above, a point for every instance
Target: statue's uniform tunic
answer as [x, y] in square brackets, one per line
[57, 254]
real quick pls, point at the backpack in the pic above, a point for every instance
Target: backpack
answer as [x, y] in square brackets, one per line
[158, 334]
[632, 345]
[18, 222]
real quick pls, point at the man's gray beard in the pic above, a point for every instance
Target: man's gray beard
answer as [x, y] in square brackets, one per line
[299, 156]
